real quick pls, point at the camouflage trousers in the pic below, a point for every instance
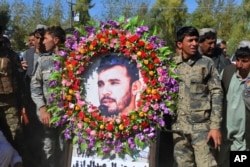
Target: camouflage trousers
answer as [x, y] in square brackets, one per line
[10, 125]
[192, 150]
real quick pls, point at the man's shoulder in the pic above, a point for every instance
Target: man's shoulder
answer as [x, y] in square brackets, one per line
[206, 60]
[30, 51]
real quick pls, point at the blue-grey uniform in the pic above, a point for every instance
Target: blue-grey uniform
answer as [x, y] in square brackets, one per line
[199, 110]
[39, 92]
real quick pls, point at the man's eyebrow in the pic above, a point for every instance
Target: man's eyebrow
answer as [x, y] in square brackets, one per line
[113, 80]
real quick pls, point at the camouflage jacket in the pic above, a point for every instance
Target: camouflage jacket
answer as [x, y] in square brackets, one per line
[200, 95]
[40, 80]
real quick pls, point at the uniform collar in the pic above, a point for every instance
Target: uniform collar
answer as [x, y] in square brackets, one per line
[189, 61]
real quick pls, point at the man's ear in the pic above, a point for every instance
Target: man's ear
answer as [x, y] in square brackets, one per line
[56, 40]
[179, 45]
[136, 87]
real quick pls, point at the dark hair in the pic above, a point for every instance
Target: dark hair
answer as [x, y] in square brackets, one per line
[186, 31]
[32, 34]
[242, 52]
[111, 60]
[40, 31]
[57, 31]
[208, 35]
[223, 42]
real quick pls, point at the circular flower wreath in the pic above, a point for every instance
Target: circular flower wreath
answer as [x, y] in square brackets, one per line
[82, 122]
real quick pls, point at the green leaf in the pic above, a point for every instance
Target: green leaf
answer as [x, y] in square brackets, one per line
[75, 139]
[84, 146]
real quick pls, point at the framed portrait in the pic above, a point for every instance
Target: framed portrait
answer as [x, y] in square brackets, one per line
[113, 86]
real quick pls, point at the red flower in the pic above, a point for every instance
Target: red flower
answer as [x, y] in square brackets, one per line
[74, 62]
[81, 115]
[143, 54]
[106, 32]
[76, 84]
[139, 104]
[157, 60]
[123, 38]
[110, 127]
[103, 50]
[123, 117]
[144, 125]
[72, 54]
[143, 73]
[153, 55]
[69, 112]
[93, 124]
[133, 38]
[146, 80]
[141, 43]
[70, 74]
[149, 46]
[94, 114]
[101, 135]
[114, 32]
[154, 82]
[126, 122]
[94, 43]
[157, 96]
[151, 66]
[118, 135]
[99, 36]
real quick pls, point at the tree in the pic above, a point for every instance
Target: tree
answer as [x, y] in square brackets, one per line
[204, 15]
[36, 14]
[55, 14]
[18, 24]
[241, 26]
[4, 14]
[83, 6]
[126, 8]
[168, 16]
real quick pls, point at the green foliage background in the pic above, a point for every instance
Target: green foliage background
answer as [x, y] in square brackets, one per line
[230, 19]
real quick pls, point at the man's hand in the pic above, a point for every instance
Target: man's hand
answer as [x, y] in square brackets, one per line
[44, 116]
[24, 65]
[215, 134]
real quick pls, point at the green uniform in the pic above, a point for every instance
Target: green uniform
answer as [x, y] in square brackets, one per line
[199, 110]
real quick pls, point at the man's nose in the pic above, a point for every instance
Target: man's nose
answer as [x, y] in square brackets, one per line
[239, 64]
[106, 91]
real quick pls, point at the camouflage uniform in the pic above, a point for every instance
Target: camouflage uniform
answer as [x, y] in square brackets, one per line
[52, 145]
[199, 110]
[10, 97]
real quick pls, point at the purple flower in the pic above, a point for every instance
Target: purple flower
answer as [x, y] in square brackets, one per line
[62, 53]
[113, 23]
[57, 65]
[140, 30]
[52, 83]
[76, 35]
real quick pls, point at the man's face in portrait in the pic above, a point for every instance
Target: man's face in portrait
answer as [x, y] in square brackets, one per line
[114, 89]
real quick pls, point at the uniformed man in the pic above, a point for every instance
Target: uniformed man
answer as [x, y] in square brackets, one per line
[198, 115]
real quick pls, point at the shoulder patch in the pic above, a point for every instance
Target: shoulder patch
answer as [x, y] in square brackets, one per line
[247, 84]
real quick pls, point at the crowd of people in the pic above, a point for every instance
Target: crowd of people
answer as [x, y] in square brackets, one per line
[26, 136]
[212, 112]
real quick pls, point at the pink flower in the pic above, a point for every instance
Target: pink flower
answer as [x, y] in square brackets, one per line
[161, 78]
[80, 103]
[156, 106]
[148, 103]
[88, 130]
[71, 105]
[160, 70]
[79, 125]
[93, 133]
[145, 108]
